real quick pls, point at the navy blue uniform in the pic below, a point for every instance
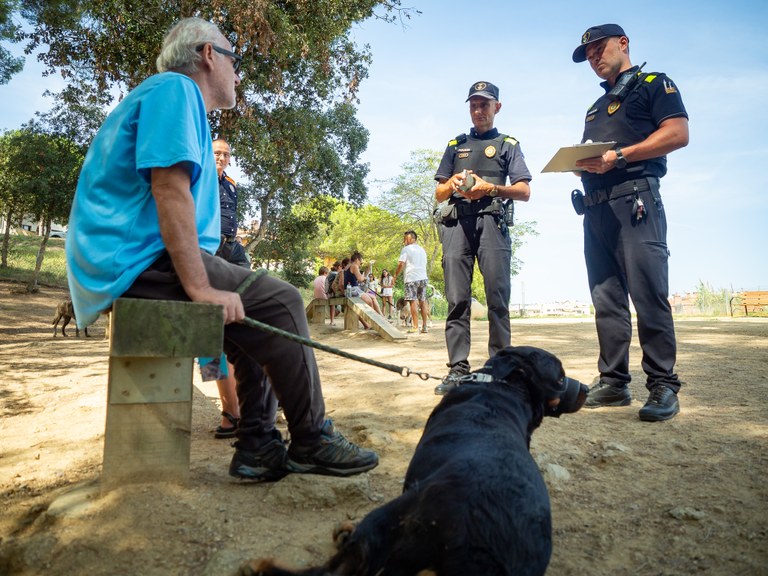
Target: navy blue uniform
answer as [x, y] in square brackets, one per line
[230, 249]
[476, 234]
[626, 254]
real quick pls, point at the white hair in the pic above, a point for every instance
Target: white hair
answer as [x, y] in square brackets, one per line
[179, 52]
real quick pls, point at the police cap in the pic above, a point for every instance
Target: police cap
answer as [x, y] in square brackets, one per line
[483, 89]
[593, 35]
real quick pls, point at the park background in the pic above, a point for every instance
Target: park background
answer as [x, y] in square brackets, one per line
[412, 103]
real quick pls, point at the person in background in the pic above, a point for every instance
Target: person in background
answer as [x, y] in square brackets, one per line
[413, 262]
[329, 291]
[387, 290]
[625, 226]
[232, 251]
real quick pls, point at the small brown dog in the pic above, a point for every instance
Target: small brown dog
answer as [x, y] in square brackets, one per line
[66, 312]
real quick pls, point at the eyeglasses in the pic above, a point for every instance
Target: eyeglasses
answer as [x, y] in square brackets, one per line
[236, 58]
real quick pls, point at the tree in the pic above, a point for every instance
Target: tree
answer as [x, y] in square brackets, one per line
[293, 129]
[42, 169]
[374, 232]
[11, 198]
[9, 30]
[412, 198]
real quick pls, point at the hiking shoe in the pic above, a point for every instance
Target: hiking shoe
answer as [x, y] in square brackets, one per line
[266, 464]
[333, 455]
[603, 394]
[662, 404]
[452, 380]
[411, 331]
[425, 330]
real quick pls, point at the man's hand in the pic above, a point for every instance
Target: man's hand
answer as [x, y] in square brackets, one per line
[598, 164]
[233, 305]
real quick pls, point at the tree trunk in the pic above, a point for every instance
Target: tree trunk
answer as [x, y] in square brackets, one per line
[6, 238]
[32, 286]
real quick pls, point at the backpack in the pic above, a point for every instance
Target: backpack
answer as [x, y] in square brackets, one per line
[338, 283]
[329, 283]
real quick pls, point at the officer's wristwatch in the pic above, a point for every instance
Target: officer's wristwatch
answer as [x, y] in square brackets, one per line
[495, 192]
[621, 162]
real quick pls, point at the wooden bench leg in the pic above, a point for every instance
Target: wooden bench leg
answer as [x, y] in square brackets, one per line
[153, 344]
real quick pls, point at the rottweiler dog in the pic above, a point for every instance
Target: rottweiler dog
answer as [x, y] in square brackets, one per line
[66, 312]
[474, 501]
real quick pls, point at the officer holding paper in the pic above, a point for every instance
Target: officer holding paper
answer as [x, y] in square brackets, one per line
[625, 227]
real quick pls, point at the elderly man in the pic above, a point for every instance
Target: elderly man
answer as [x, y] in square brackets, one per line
[145, 223]
[625, 226]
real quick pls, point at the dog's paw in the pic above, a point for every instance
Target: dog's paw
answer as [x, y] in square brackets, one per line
[342, 532]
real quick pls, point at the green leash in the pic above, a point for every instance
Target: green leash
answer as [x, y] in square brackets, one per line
[404, 371]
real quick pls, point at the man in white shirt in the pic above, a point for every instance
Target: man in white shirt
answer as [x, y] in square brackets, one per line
[414, 260]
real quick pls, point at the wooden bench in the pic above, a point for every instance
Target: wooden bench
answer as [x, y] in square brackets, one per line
[153, 345]
[354, 311]
[319, 309]
[751, 301]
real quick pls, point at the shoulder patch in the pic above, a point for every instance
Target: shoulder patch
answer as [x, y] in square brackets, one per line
[460, 139]
[650, 78]
[510, 140]
[226, 177]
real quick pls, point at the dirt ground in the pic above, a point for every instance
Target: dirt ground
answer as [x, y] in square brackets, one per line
[688, 496]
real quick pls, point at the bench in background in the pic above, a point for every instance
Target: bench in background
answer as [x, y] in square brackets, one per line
[751, 301]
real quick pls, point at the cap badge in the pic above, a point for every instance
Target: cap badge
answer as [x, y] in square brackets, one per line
[481, 86]
[585, 37]
[612, 107]
[490, 152]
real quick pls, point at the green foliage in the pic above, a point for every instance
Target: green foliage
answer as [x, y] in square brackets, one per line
[9, 65]
[412, 198]
[38, 172]
[22, 258]
[710, 301]
[293, 130]
[370, 230]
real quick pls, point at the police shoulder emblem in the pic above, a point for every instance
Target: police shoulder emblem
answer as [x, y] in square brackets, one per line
[612, 107]
[490, 151]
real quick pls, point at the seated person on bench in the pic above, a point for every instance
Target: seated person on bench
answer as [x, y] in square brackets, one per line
[145, 224]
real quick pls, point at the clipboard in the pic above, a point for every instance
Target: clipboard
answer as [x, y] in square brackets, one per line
[565, 159]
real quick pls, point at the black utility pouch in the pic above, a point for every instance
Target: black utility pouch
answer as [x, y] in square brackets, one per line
[577, 199]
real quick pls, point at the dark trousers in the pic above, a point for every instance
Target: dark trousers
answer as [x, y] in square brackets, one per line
[464, 241]
[629, 257]
[290, 366]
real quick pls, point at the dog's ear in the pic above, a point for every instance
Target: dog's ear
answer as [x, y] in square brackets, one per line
[540, 370]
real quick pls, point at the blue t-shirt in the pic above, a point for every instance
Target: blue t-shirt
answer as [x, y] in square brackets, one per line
[114, 232]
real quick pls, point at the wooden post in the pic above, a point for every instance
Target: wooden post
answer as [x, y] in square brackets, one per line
[149, 409]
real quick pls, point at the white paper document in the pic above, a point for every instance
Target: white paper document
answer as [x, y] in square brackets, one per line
[566, 158]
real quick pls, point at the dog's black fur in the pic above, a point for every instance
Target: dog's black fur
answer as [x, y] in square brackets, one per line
[474, 501]
[66, 312]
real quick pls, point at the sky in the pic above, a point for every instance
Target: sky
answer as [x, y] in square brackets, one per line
[716, 52]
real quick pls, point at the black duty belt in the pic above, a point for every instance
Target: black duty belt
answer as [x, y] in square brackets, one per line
[600, 195]
[465, 209]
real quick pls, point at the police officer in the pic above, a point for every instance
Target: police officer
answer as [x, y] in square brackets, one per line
[473, 176]
[625, 228]
[230, 249]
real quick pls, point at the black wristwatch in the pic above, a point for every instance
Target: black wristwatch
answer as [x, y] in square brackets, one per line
[621, 162]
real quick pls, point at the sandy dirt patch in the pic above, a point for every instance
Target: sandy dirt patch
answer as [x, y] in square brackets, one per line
[688, 496]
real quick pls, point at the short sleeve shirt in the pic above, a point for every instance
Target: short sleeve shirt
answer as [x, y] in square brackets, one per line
[510, 154]
[114, 232]
[415, 259]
